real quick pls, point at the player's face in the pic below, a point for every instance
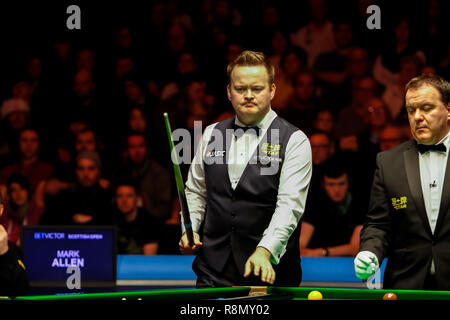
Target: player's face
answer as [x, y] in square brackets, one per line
[336, 188]
[428, 116]
[126, 199]
[88, 173]
[250, 93]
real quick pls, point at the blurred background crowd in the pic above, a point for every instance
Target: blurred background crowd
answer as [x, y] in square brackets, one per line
[82, 137]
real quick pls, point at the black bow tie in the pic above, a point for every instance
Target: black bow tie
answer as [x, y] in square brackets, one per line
[433, 147]
[244, 129]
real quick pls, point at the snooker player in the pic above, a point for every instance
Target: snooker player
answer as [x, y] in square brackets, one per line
[408, 219]
[13, 278]
[244, 214]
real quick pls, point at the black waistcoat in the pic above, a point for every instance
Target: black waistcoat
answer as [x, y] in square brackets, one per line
[236, 219]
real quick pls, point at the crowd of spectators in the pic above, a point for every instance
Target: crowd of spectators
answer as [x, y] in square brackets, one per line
[82, 137]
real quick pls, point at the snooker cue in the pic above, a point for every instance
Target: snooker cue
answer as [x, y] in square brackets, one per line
[180, 185]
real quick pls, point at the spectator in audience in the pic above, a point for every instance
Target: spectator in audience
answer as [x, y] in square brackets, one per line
[133, 88]
[86, 60]
[393, 95]
[291, 63]
[324, 120]
[317, 36]
[378, 117]
[84, 203]
[387, 64]
[331, 68]
[392, 135]
[137, 231]
[15, 115]
[152, 179]
[301, 108]
[13, 277]
[64, 176]
[22, 207]
[322, 148]
[354, 119]
[358, 67]
[186, 64]
[86, 105]
[29, 163]
[334, 220]
[279, 43]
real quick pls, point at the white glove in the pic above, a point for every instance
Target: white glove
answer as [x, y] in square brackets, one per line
[366, 264]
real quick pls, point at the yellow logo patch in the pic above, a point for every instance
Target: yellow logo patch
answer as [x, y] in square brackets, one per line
[271, 150]
[21, 264]
[399, 203]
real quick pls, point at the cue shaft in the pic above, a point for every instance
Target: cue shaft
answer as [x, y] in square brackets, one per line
[179, 184]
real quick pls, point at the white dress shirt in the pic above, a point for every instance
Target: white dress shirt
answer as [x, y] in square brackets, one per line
[293, 188]
[432, 171]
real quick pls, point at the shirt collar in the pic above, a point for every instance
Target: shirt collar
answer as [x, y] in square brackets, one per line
[264, 123]
[445, 140]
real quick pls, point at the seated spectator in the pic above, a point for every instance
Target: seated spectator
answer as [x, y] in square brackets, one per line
[15, 115]
[153, 180]
[22, 208]
[322, 149]
[393, 95]
[186, 64]
[291, 63]
[29, 164]
[324, 121]
[354, 119]
[331, 69]
[334, 220]
[317, 36]
[64, 176]
[13, 278]
[379, 116]
[403, 43]
[393, 135]
[301, 107]
[137, 120]
[137, 231]
[84, 203]
[87, 140]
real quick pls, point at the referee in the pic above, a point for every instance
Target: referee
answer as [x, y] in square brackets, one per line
[247, 186]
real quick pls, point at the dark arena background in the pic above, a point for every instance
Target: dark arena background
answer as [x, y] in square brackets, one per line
[91, 80]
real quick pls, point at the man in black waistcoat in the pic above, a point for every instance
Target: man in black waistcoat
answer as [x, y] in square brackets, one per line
[409, 213]
[247, 186]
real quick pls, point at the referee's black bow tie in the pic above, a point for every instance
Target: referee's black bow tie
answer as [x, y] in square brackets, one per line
[244, 129]
[433, 147]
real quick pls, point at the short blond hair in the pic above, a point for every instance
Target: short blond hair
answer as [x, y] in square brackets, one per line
[252, 58]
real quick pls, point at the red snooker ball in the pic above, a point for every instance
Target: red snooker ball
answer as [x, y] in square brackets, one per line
[390, 296]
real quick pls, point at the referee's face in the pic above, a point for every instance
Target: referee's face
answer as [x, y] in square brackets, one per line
[428, 117]
[250, 93]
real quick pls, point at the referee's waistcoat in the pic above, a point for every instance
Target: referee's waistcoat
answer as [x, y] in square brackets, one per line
[236, 219]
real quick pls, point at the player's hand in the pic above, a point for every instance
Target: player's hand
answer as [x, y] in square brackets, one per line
[259, 263]
[3, 240]
[185, 248]
[366, 264]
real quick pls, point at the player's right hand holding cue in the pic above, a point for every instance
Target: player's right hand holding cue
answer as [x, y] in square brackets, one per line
[185, 248]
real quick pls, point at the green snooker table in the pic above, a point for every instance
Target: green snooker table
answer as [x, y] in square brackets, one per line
[250, 293]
